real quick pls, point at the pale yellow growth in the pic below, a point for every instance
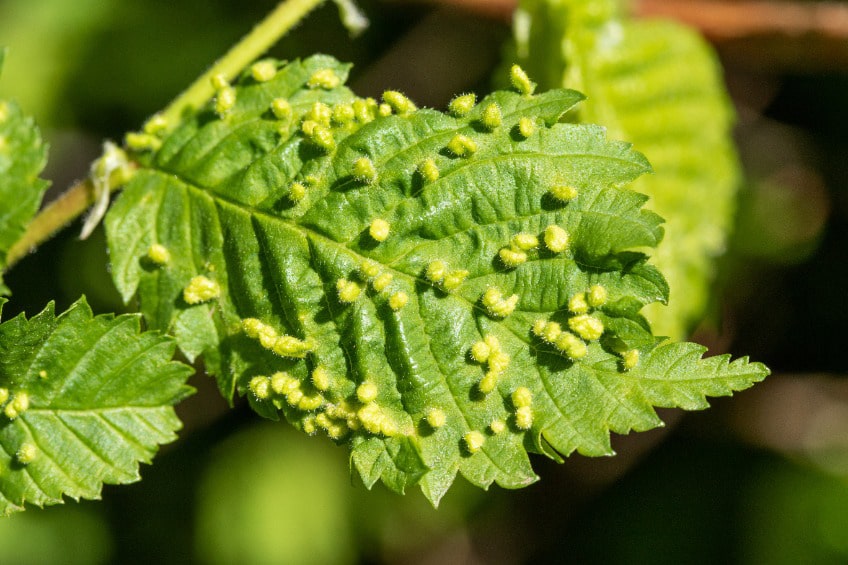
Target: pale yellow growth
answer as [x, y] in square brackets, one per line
[630, 359]
[42, 374]
[435, 418]
[310, 402]
[492, 117]
[524, 241]
[382, 281]
[225, 100]
[343, 113]
[27, 453]
[335, 430]
[474, 441]
[429, 170]
[297, 192]
[219, 82]
[159, 254]
[462, 146]
[512, 258]
[489, 382]
[398, 300]
[498, 361]
[142, 141]
[294, 397]
[522, 397]
[399, 103]
[290, 346]
[551, 332]
[520, 81]
[563, 192]
[436, 271]
[319, 135]
[4, 395]
[526, 127]
[556, 238]
[497, 426]
[524, 418]
[281, 108]
[367, 392]
[282, 383]
[155, 125]
[263, 71]
[597, 296]
[587, 327]
[260, 387]
[371, 417]
[384, 110]
[17, 406]
[492, 342]
[324, 78]
[201, 289]
[578, 304]
[308, 425]
[369, 269]
[462, 104]
[379, 229]
[348, 291]
[321, 378]
[364, 109]
[319, 113]
[495, 303]
[480, 351]
[573, 347]
[364, 170]
[454, 279]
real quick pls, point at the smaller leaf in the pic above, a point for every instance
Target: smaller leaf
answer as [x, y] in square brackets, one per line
[84, 399]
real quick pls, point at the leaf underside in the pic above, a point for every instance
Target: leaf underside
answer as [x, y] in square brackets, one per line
[22, 157]
[100, 397]
[657, 84]
[279, 227]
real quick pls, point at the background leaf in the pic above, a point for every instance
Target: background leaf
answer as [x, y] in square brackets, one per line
[87, 398]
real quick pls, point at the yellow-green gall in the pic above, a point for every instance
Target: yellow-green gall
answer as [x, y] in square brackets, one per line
[492, 117]
[522, 397]
[159, 254]
[142, 141]
[371, 417]
[435, 418]
[282, 383]
[364, 170]
[384, 110]
[556, 239]
[348, 291]
[27, 453]
[308, 425]
[398, 300]
[297, 192]
[219, 81]
[578, 304]
[524, 418]
[263, 71]
[290, 346]
[319, 113]
[17, 406]
[201, 289]
[454, 279]
[480, 351]
[462, 146]
[520, 81]
[367, 392]
[573, 347]
[563, 192]
[399, 103]
[629, 359]
[382, 281]
[489, 382]
[462, 104]
[260, 387]
[343, 113]
[281, 108]
[526, 127]
[321, 378]
[428, 170]
[524, 241]
[320, 136]
[4, 395]
[497, 426]
[551, 332]
[436, 271]
[498, 361]
[364, 109]
[492, 342]
[474, 441]
[369, 269]
[597, 296]
[225, 100]
[155, 125]
[587, 327]
[379, 229]
[512, 258]
[497, 305]
[324, 78]
[42, 374]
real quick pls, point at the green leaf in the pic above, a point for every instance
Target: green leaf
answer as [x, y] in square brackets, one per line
[659, 85]
[307, 273]
[85, 399]
[22, 157]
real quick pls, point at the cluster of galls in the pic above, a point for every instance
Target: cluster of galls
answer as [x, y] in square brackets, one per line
[15, 405]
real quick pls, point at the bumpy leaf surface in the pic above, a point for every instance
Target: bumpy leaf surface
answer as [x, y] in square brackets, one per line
[84, 400]
[403, 285]
[658, 85]
[22, 157]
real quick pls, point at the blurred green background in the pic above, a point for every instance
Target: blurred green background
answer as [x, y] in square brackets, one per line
[760, 478]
